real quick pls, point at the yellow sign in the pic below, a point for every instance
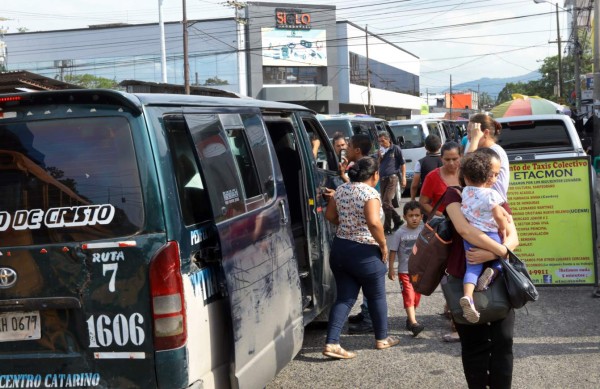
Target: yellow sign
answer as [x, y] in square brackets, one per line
[553, 212]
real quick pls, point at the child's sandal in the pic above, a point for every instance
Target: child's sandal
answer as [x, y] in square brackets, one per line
[336, 351]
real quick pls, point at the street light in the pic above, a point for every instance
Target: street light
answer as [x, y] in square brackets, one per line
[560, 88]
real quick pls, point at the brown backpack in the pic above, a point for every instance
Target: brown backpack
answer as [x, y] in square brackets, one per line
[429, 256]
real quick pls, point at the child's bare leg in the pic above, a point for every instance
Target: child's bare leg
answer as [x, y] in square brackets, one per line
[410, 315]
[468, 290]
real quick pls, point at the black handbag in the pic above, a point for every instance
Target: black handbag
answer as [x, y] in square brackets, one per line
[493, 303]
[518, 282]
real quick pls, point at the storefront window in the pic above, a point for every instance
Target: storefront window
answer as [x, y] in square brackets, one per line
[293, 75]
[383, 76]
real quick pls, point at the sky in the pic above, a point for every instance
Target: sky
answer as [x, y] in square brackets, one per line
[462, 40]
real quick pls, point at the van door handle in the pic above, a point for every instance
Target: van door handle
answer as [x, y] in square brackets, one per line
[284, 218]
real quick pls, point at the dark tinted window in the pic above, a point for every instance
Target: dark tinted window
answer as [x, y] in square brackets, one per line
[193, 195]
[382, 75]
[333, 126]
[218, 165]
[68, 180]
[293, 75]
[534, 134]
[256, 134]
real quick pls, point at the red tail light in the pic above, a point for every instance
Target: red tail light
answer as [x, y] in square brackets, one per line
[168, 307]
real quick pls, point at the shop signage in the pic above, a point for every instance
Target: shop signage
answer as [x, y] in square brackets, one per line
[292, 19]
[553, 211]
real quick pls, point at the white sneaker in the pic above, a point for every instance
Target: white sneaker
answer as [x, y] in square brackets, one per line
[485, 279]
[469, 311]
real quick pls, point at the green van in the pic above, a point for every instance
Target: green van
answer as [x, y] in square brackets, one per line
[164, 241]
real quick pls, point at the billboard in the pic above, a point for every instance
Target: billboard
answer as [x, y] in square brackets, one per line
[294, 47]
[553, 211]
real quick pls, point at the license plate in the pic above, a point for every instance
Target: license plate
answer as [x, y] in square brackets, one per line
[20, 326]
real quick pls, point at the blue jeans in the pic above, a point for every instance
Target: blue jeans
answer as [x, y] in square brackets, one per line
[355, 266]
[473, 272]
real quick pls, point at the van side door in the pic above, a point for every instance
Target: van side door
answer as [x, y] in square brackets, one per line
[256, 243]
[320, 173]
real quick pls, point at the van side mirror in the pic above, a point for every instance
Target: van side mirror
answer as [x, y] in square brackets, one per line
[400, 140]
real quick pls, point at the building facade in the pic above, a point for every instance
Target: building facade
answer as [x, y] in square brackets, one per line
[294, 53]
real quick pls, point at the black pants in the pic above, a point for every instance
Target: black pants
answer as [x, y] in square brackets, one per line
[487, 354]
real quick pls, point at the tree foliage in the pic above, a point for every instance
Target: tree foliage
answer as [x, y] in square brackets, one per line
[215, 81]
[485, 101]
[91, 82]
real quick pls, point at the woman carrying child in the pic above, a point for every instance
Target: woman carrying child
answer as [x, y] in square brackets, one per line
[481, 206]
[486, 348]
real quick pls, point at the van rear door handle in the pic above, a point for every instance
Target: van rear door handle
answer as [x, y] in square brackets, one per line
[284, 218]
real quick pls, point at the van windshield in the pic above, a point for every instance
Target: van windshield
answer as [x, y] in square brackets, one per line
[333, 126]
[412, 133]
[68, 180]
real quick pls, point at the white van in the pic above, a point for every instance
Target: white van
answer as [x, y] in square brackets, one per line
[414, 133]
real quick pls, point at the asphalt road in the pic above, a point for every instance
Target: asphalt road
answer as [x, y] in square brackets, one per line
[557, 345]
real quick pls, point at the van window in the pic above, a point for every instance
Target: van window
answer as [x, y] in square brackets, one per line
[218, 165]
[65, 180]
[323, 160]
[412, 133]
[241, 151]
[193, 195]
[434, 130]
[256, 133]
[333, 126]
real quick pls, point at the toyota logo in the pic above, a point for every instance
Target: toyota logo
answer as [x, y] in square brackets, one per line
[8, 277]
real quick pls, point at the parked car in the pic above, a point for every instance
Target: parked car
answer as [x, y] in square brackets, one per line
[156, 240]
[412, 134]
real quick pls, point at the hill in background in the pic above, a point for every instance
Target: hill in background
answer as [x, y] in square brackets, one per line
[492, 86]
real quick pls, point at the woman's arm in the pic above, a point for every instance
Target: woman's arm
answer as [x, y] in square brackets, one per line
[426, 203]
[414, 186]
[474, 235]
[331, 213]
[372, 208]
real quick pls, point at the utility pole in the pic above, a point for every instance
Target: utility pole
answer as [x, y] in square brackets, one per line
[163, 50]
[240, 21]
[186, 65]
[576, 51]
[560, 87]
[369, 106]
